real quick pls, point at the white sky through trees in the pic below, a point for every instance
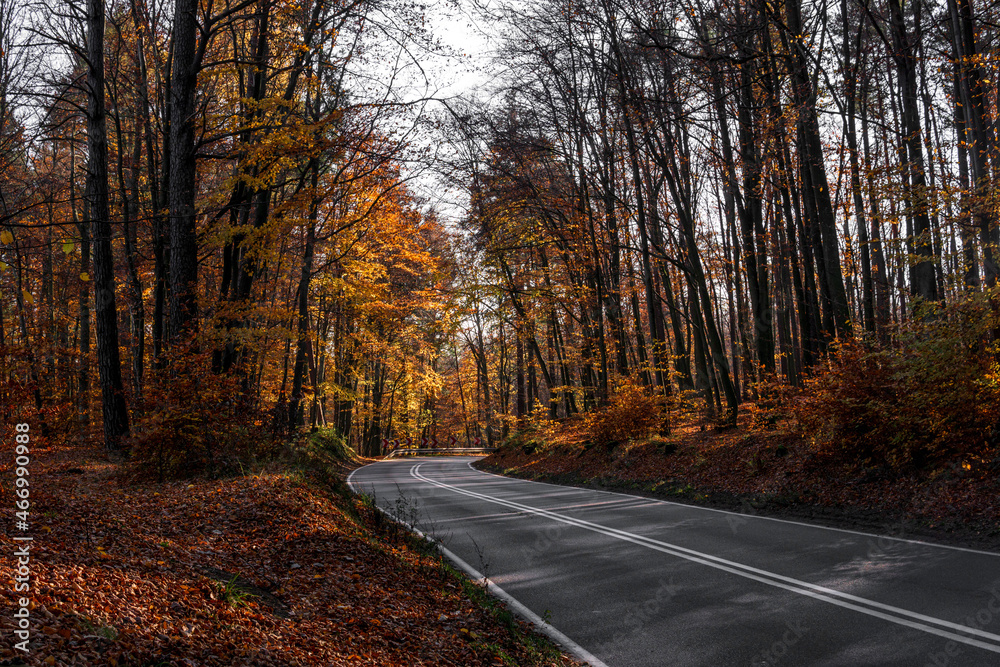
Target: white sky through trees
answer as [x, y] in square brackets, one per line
[456, 70]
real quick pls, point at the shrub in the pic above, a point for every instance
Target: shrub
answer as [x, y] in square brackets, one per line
[193, 423]
[329, 441]
[772, 405]
[57, 420]
[535, 432]
[632, 412]
[929, 395]
[664, 446]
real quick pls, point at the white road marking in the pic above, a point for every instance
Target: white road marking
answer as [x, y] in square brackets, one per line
[743, 515]
[498, 515]
[540, 624]
[846, 600]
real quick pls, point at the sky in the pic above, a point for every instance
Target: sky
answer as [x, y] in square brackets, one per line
[461, 70]
[462, 34]
[435, 79]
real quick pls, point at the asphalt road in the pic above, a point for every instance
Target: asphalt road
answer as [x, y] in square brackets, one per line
[639, 582]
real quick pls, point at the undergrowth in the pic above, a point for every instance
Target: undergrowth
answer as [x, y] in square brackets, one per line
[193, 422]
[929, 395]
[196, 422]
[634, 412]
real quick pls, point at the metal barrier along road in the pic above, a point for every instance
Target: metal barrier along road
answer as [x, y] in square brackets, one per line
[403, 451]
[431, 445]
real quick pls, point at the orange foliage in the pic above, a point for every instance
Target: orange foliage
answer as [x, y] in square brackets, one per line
[632, 412]
[194, 423]
[931, 395]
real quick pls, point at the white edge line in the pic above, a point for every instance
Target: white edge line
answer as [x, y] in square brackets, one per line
[705, 559]
[557, 637]
[748, 572]
[746, 516]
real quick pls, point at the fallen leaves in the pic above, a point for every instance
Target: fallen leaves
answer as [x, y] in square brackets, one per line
[248, 571]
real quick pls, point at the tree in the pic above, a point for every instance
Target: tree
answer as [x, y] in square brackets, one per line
[114, 409]
[186, 54]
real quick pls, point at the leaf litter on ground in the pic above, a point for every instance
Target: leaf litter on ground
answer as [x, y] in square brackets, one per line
[267, 569]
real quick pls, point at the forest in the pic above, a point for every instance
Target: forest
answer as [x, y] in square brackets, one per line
[739, 254]
[228, 222]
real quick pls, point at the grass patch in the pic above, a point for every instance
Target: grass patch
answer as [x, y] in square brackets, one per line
[536, 646]
[232, 593]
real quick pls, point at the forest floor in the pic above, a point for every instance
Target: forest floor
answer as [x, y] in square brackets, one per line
[775, 472]
[276, 568]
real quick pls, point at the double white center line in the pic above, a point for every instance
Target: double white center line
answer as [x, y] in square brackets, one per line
[954, 631]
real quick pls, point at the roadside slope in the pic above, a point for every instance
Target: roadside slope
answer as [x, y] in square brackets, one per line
[259, 570]
[773, 472]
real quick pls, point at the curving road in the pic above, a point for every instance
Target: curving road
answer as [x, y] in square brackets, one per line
[640, 582]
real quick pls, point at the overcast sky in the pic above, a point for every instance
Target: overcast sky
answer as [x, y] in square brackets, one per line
[461, 70]
[457, 30]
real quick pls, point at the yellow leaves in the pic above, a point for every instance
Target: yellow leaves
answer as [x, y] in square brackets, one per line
[28, 298]
[68, 247]
[6, 237]
[85, 277]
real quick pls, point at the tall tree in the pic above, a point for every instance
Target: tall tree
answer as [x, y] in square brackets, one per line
[115, 411]
[922, 280]
[186, 53]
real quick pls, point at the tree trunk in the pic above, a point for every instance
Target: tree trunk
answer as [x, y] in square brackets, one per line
[183, 166]
[83, 297]
[106, 316]
[978, 132]
[302, 353]
[815, 187]
[923, 282]
[851, 72]
[751, 223]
